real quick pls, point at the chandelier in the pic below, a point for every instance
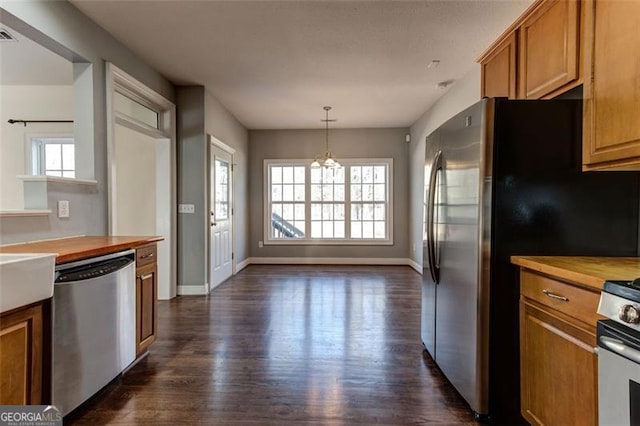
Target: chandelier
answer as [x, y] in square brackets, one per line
[327, 159]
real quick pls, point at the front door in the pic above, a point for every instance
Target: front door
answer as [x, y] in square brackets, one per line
[221, 247]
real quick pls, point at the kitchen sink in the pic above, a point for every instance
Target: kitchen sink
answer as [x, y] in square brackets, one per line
[25, 278]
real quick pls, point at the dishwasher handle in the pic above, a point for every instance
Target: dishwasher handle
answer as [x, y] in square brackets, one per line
[93, 270]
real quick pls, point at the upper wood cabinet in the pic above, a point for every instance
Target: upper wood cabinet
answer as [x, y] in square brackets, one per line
[499, 70]
[549, 48]
[538, 56]
[611, 133]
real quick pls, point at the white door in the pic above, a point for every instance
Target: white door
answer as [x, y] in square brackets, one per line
[220, 242]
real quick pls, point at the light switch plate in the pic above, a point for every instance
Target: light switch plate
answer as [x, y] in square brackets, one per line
[63, 208]
[186, 208]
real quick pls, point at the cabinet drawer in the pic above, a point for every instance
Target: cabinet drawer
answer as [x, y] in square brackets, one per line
[580, 303]
[146, 255]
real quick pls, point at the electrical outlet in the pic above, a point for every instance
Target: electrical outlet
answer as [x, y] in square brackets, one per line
[260, 244]
[63, 208]
[186, 208]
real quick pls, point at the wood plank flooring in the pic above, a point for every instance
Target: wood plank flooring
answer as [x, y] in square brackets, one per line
[287, 345]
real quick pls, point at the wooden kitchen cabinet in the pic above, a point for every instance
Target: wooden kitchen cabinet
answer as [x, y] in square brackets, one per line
[611, 131]
[146, 297]
[549, 49]
[498, 70]
[21, 356]
[557, 361]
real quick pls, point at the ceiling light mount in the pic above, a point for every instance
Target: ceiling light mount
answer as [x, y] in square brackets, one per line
[327, 159]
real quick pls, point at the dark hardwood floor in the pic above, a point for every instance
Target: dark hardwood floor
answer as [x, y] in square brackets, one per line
[326, 345]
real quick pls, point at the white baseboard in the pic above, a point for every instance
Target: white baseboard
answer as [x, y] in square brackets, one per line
[192, 290]
[327, 261]
[415, 265]
[240, 266]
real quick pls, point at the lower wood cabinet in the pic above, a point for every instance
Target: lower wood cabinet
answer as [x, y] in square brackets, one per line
[557, 361]
[146, 297]
[21, 356]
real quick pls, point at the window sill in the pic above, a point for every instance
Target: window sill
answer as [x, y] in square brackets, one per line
[55, 179]
[24, 213]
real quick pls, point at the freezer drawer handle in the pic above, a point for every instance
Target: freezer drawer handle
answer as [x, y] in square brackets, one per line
[554, 296]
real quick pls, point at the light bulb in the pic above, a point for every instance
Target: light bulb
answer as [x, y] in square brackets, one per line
[315, 164]
[329, 162]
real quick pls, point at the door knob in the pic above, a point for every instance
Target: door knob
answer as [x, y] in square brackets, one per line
[214, 224]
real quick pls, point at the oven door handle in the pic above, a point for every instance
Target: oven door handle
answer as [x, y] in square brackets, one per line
[620, 348]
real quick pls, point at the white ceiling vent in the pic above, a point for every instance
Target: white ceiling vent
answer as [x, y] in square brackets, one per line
[6, 35]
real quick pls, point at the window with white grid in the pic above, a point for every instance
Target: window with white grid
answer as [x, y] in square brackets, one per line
[351, 204]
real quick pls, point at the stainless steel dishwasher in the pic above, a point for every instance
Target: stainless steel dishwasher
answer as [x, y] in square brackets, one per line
[94, 320]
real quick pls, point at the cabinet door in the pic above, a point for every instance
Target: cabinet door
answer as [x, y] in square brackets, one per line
[499, 70]
[549, 49]
[612, 86]
[21, 357]
[146, 310]
[558, 369]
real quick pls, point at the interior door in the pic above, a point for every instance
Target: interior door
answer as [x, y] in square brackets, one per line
[221, 232]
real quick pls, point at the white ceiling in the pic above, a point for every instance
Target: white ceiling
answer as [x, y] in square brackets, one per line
[274, 64]
[24, 62]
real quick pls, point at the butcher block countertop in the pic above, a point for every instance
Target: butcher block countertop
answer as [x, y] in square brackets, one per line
[588, 271]
[76, 248]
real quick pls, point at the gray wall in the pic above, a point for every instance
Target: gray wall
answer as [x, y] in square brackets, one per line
[199, 114]
[463, 93]
[344, 143]
[57, 23]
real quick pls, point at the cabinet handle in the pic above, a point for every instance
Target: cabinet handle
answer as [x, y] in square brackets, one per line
[146, 256]
[145, 277]
[554, 296]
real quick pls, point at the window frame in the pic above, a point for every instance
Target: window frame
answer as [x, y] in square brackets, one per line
[36, 156]
[347, 241]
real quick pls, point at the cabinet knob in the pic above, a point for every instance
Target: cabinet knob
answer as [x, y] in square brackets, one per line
[629, 314]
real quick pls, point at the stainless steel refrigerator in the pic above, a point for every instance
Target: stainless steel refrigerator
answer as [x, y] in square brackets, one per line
[504, 178]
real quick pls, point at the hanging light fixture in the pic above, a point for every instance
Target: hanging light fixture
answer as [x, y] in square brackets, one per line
[326, 160]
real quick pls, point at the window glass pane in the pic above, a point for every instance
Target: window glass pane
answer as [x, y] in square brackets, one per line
[316, 229]
[287, 175]
[378, 192]
[356, 192]
[327, 192]
[316, 192]
[316, 175]
[356, 230]
[379, 213]
[338, 211]
[379, 174]
[339, 175]
[276, 193]
[327, 229]
[367, 229]
[135, 110]
[379, 228]
[287, 211]
[54, 173]
[316, 211]
[298, 174]
[367, 192]
[327, 212]
[276, 174]
[339, 229]
[300, 225]
[356, 211]
[338, 192]
[287, 192]
[299, 192]
[367, 211]
[367, 174]
[299, 212]
[68, 156]
[53, 156]
[69, 174]
[355, 174]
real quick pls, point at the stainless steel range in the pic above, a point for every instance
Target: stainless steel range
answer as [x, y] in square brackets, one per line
[619, 353]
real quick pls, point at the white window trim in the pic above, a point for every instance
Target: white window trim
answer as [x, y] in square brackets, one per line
[30, 138]
[267, 240]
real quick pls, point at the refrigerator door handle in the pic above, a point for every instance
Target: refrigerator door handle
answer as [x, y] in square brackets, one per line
[434, 268]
